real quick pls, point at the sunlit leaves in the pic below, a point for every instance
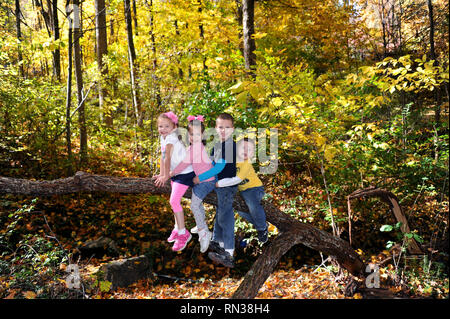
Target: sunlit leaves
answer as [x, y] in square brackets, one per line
[404, 74]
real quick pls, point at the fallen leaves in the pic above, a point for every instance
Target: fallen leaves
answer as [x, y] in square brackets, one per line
[29, 294]
[294, 284]
[140, 224]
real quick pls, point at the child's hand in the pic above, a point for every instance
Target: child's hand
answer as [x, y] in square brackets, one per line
[155, 177]
[217, 185]
[161, 180]
[171, 174]
[196, 180]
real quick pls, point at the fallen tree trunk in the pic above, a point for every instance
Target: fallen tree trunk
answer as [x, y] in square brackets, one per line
[392, 200]
[291, 231]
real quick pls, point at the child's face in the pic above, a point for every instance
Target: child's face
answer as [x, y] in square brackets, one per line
[165, 126]
[246, 150]
[195, 134]
[224, 128]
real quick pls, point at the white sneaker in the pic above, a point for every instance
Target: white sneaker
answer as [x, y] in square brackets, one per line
[204, 237]
[194, 230]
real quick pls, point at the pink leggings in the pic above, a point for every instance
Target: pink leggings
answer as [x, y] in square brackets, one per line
[178, 191]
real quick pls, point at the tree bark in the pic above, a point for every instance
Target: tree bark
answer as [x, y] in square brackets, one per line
[132, 61]
[52, 25]
[265, 265]
[57, 52]
[291, 231]
[152, 31]
[77, 34]
[135, 18]
[19, 38]
[238, 14]
[437, 91]
[392, 201]
[155, 61]
[102, 50]
[69, 100]
[248, 25]
[202, 37]
[382, 13]
[431, 18]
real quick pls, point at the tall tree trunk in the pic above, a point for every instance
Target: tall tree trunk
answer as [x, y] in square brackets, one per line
[152, 32]
[69, 96]
[155, 79]
[431, 18]
[155, 61]
[400, 34]
[437, 93]
[132, 62]
[155, 64]
[77, 33]
[239, 18]
[135, 18]
[128, 21]
[102, 50]
[382, 13]
[19, 38]
[57, 52]
[52, 25]
[248, 24]
[112, 78]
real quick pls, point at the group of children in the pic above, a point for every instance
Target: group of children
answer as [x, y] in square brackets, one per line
[226, 170]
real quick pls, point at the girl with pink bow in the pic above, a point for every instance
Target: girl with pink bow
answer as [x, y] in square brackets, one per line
[197, 157]
[200, 118]
[173, 152]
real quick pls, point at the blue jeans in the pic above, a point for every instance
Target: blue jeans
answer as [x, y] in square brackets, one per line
[203, 189]
[256, 215]
[224, 222]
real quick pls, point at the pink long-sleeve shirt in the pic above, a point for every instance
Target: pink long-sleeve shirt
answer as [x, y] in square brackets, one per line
[196, 156]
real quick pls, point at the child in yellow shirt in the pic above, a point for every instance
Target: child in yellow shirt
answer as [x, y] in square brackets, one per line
[250, 186]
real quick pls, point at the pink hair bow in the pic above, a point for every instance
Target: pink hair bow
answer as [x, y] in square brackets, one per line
[172, 116]
[198, 118]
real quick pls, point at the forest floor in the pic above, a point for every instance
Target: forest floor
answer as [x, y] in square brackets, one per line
[38, 236]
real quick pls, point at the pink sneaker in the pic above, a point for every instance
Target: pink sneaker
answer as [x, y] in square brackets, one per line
[181, 241]
[173, 236]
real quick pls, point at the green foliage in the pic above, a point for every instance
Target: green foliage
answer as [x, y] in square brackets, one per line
[404, 74]
[31, 116]
[402, 237]
[210, 103]
[105, 285]
[34, 264]
[362, 131]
